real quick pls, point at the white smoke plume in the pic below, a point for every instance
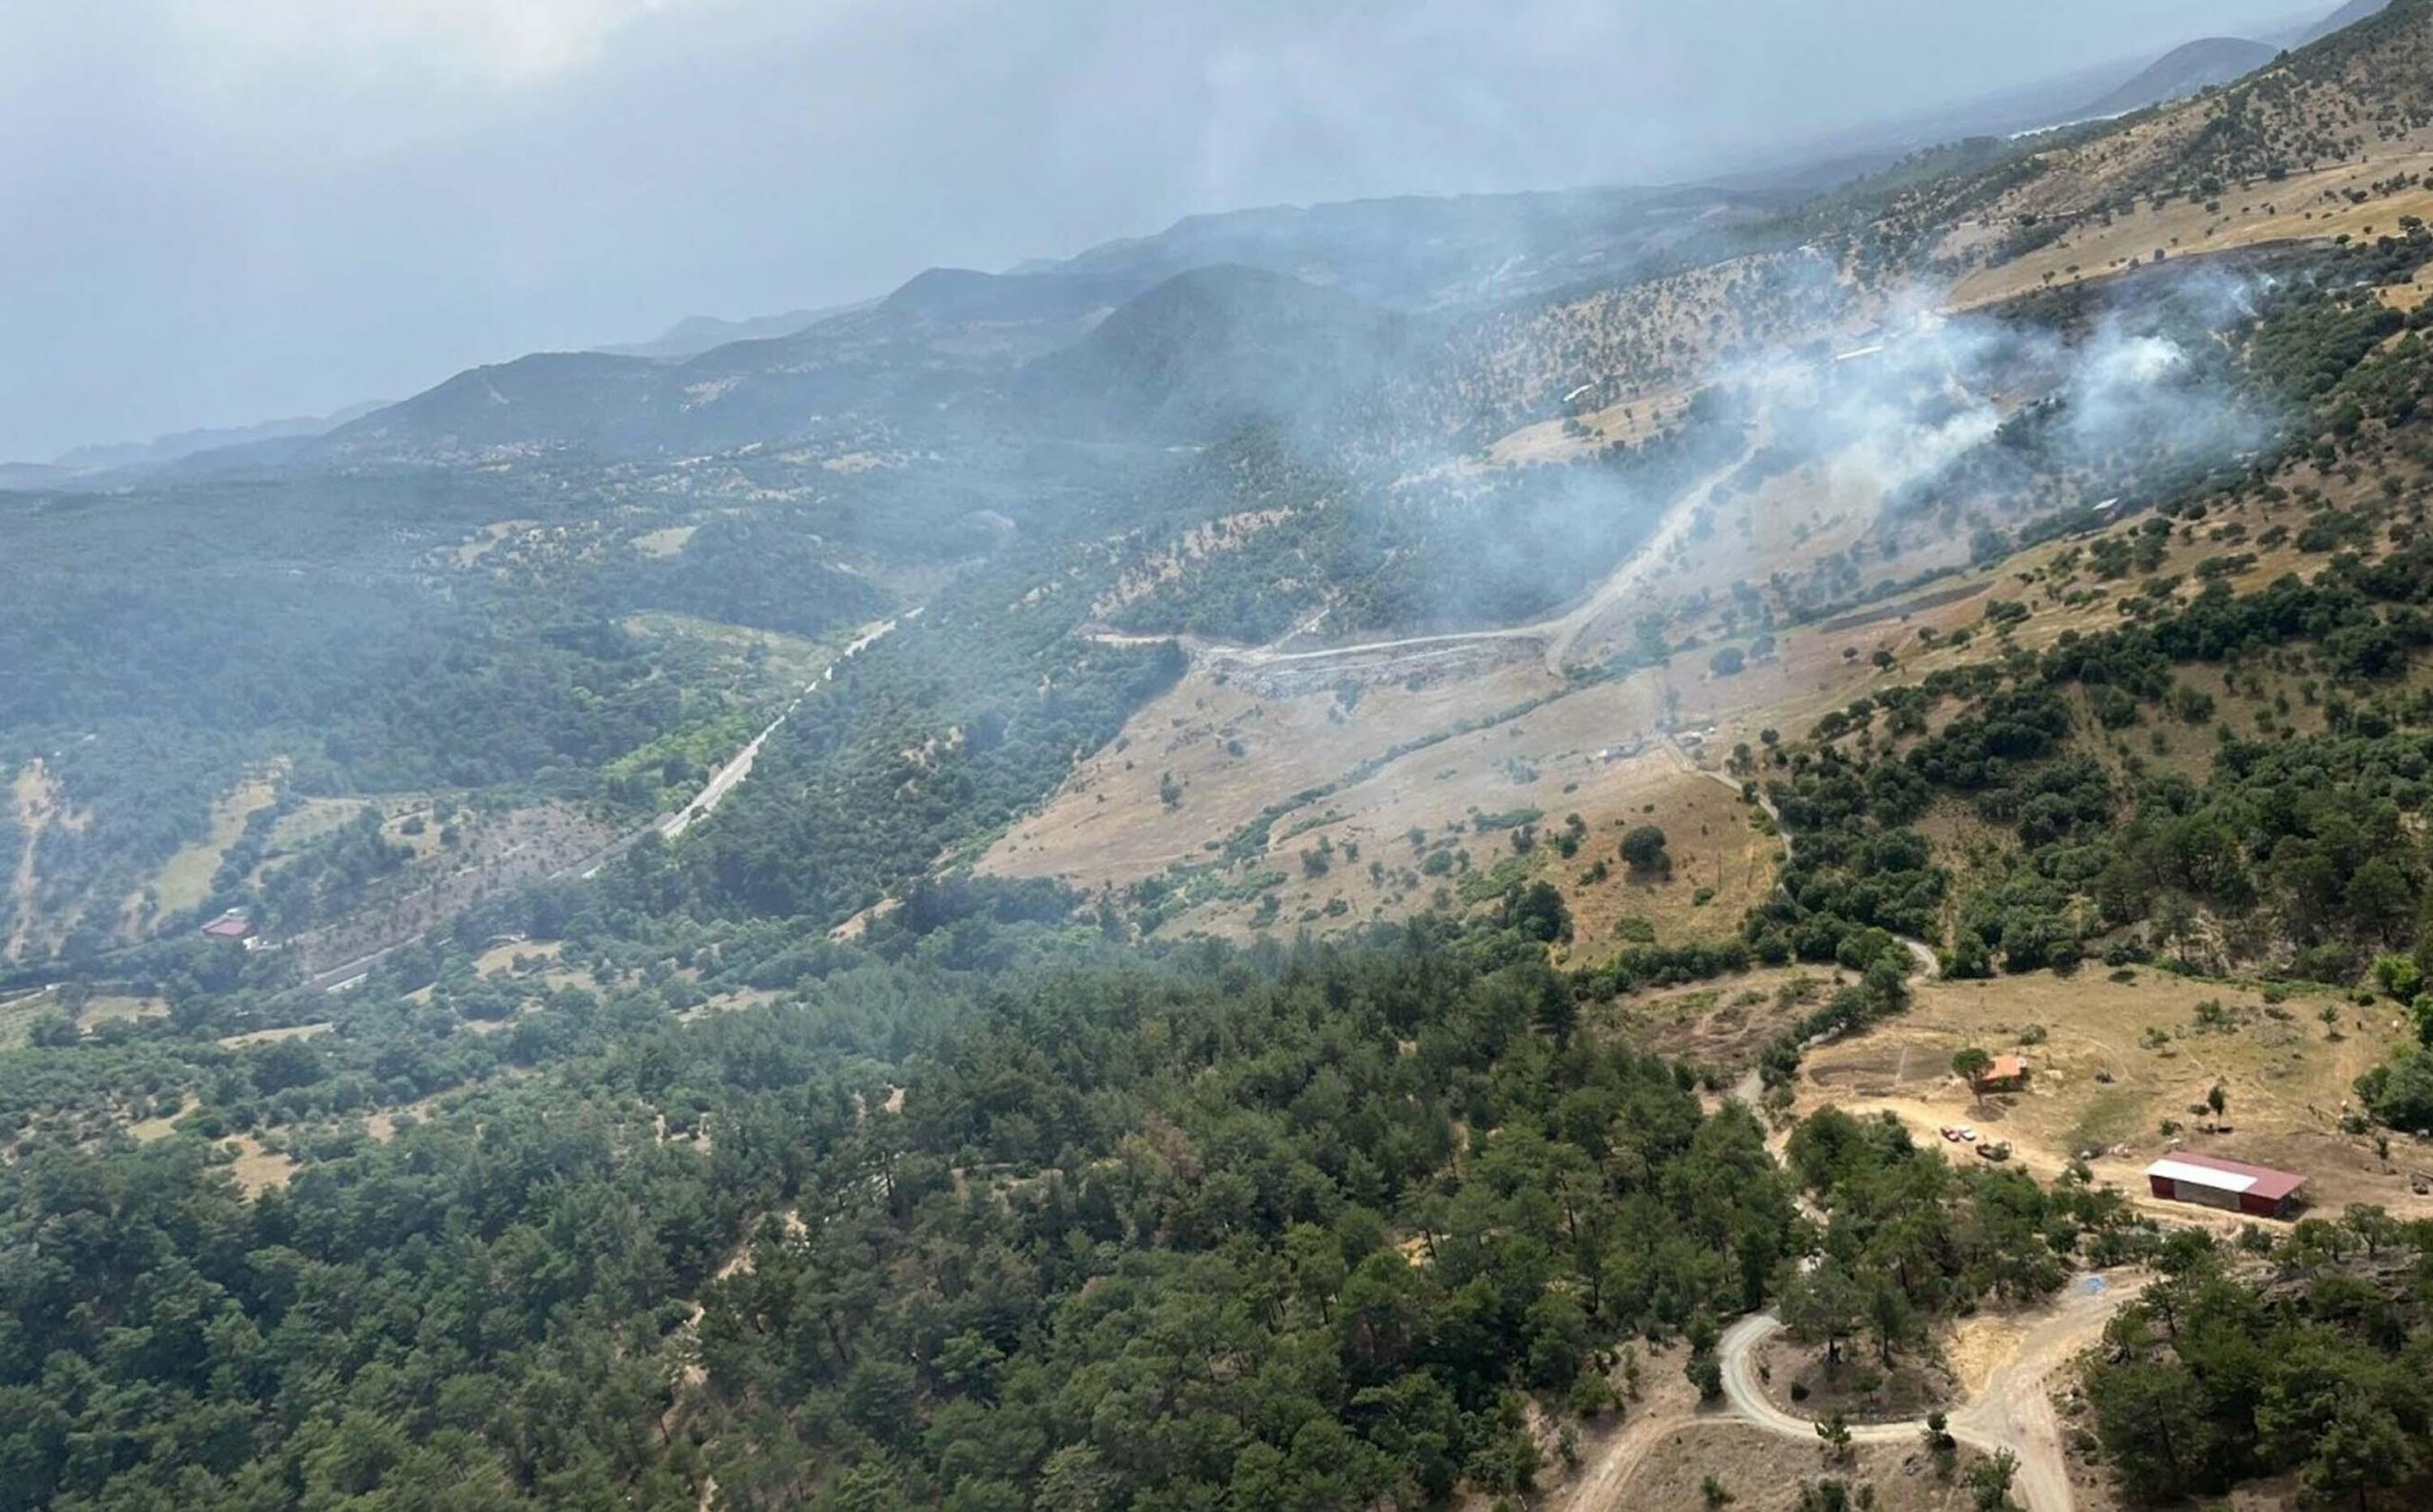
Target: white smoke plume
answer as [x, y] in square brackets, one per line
[1923, 403]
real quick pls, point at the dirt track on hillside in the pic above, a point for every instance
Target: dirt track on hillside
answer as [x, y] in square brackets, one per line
[2013, 1410]
[1562, 632]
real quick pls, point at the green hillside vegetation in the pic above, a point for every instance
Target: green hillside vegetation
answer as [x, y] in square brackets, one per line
[785, 1164]
[2218, 1374]
[288, 619]
[2291, 851]
[1187, 1227]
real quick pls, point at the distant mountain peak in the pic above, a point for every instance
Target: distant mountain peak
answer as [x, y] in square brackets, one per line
[1216, 345]
[695, 334]
[2185, 70]
[954, 294]
[2340, 20]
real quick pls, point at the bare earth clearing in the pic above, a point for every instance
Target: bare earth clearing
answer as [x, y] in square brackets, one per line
[2098, 1081]
[1760, 1470]
[184, 880]
[2012, 1409]
[2010, 1363]
[39, 804]
[1248, 728]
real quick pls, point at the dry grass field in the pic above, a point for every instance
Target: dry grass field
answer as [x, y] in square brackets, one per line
[292, 1031]
[1721, 1026]
[1762, 1471]
[1627, 421]
[2304, 206]
[2113, 1056]
[312, 819]
[537, 965]
[257, 1167]
[159, 1126]
[1231, 751]
[119, 1008]
[666, 542]
[1226, 745]
[1723, 866]
[489, 539]
[768, 661]
[184, 880]
[19, 1010]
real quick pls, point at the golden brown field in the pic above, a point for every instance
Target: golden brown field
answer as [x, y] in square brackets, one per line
[2112, 1059]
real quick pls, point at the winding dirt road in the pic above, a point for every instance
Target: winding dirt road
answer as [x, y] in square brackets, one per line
[1633, 575]
[2013, 1410]
[1603, 1480]
[1929, 963]
[730, 776]
[1560, 633]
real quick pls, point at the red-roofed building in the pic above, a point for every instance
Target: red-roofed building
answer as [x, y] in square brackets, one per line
[2235, 1187]
[2004, 1073]
[232, 924]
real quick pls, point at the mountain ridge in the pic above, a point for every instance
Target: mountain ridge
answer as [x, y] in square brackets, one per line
[695, 334]
[2185, 70]
[1214, 346]
[1409, 252]
[2340, 20]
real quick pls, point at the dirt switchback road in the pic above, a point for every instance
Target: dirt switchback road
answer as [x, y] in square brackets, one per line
[1632, 575]
[2013, 1410]
[1929, 964]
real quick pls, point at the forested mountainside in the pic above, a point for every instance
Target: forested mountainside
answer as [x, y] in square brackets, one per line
[1224, 1229]
[1152, 883]
[2185, 70]
[1416, 254]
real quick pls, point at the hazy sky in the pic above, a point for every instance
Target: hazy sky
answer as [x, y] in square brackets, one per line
[219, 211]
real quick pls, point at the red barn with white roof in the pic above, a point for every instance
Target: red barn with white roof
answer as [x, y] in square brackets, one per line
[2235, 1187]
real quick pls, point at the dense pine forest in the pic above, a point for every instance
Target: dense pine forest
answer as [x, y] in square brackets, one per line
[987, 1216]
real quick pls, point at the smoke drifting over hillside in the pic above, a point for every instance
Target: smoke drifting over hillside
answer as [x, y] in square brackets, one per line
[2009, 415]
[1918, 428]
[338, 202]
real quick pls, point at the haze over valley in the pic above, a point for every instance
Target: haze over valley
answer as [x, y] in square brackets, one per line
[1691, 786]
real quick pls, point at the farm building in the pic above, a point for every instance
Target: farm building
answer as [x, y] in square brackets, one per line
[232, 924]
[2225, 1185]
[2004, 1073]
